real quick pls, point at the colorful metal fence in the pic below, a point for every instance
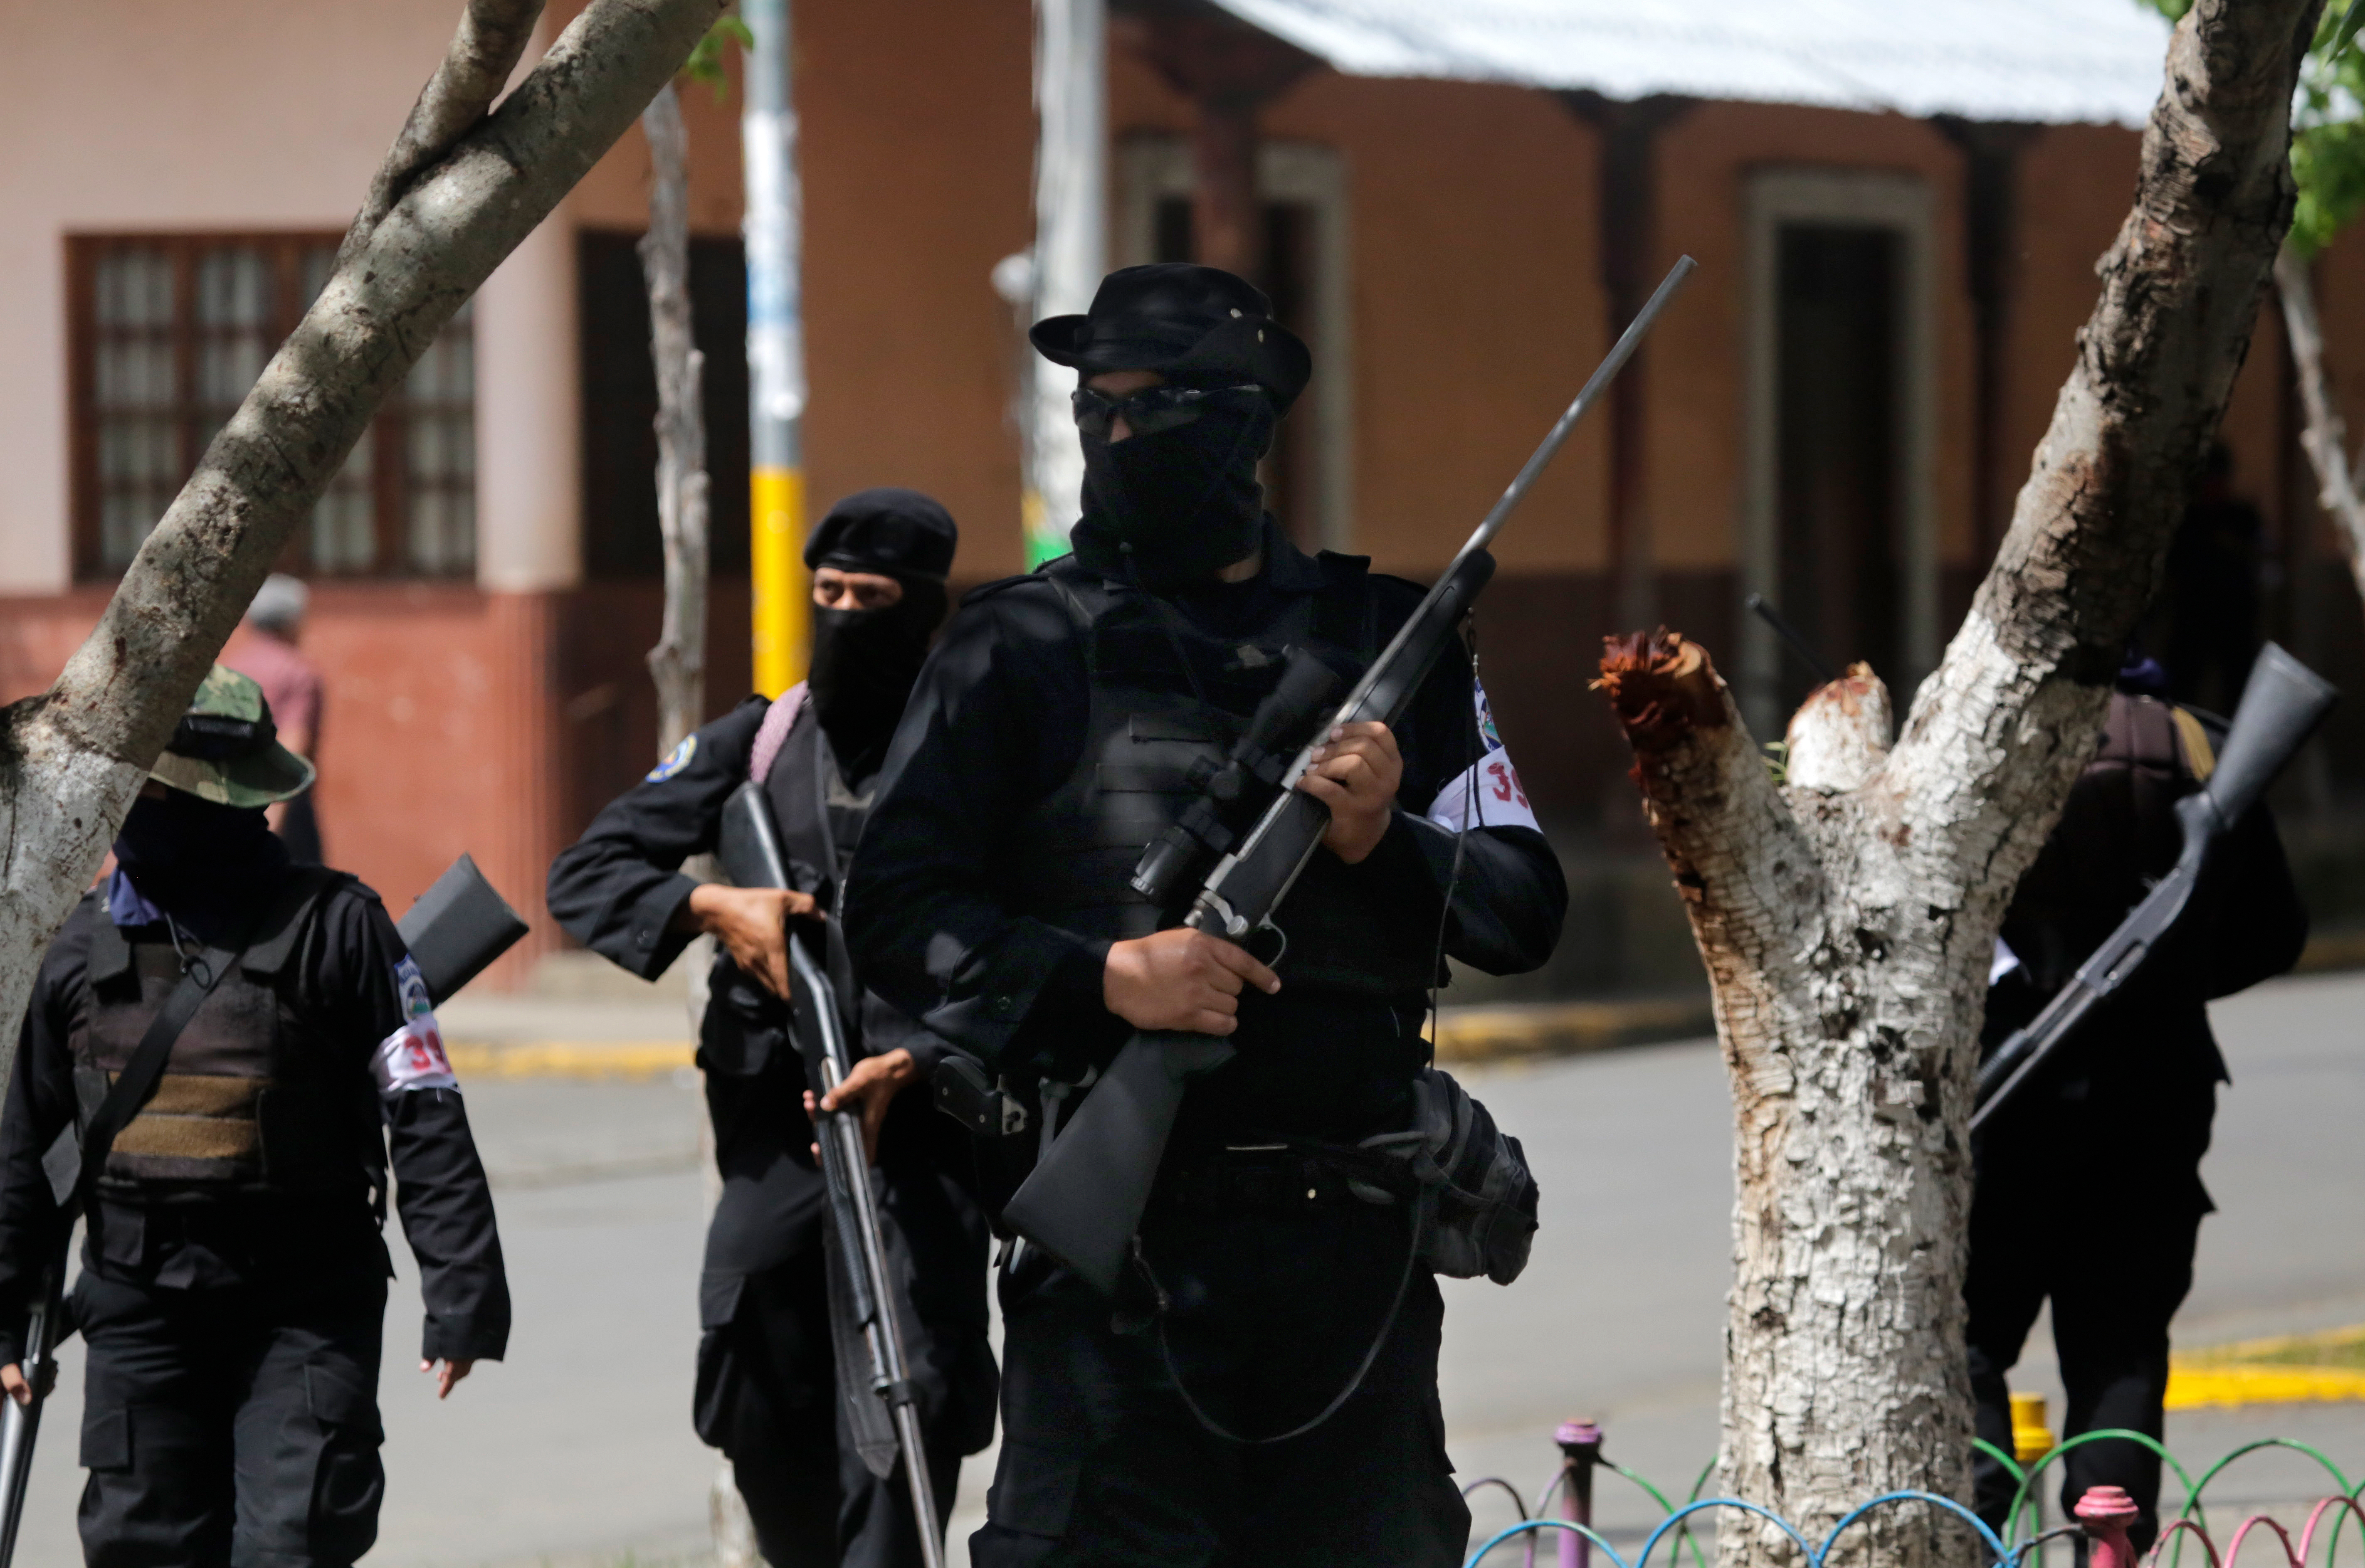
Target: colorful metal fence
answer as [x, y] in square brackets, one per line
[1563, 1513]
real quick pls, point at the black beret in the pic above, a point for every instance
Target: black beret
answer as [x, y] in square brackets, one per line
[1181, 320]
[901, 533]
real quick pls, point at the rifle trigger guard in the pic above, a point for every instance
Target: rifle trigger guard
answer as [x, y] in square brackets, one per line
[1266, 944]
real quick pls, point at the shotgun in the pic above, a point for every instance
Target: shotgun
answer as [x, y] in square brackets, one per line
[2281, 704]
[1085, 1195]
[864, 1288]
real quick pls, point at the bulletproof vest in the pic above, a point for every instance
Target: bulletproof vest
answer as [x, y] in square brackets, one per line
[255, 1096]
[1151, 737]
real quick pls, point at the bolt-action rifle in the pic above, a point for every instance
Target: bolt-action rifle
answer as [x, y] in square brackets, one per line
[1085, 1195]
[457, 927]
[750, 853]
[2281, 706]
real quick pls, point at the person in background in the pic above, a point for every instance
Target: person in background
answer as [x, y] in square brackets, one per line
[2087, 1190]
[291, 684]
[772, 1389]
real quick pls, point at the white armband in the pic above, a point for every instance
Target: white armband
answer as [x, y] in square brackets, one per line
[1487, 792]
[412, 1057]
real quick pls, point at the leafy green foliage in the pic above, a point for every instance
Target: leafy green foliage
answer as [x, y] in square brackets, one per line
[2327, 125]
[705, 63]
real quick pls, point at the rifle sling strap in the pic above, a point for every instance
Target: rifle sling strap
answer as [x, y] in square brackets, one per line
[72, 1162]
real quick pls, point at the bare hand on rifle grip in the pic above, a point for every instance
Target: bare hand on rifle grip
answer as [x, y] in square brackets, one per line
[869, 1087]
[12, 1381]
[1356, 773]
[1180, 980]
[752, 925]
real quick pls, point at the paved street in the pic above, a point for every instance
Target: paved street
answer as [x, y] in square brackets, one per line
[577, 1451]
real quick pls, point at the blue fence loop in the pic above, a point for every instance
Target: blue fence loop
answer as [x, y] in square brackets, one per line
[1537, 1526]
[1976, 1523]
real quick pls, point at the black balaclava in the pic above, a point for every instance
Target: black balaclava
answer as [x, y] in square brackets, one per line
[865, 661]
[1176, 507]
[207, 866]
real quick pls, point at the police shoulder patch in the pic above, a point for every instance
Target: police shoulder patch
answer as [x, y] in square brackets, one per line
[675, 760]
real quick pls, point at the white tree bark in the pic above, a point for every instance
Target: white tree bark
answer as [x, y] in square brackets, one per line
[2323, 435]
[1847, 918]
[460, 189]
[677, 664]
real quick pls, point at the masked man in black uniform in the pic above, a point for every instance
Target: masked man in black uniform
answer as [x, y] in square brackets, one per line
[233, 1283]
[767, 1393]
[1063, 721]
[2112, 1134]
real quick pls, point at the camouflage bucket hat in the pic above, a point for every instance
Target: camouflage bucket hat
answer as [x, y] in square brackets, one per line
[227, 750]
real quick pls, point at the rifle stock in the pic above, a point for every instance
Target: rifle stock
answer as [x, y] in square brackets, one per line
[2281, 704]
[1084, 1198]
[458, 927]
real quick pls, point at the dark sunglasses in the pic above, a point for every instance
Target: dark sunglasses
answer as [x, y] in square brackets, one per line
[1147, 413]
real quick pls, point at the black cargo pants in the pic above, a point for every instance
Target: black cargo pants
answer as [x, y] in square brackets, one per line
[2097, 1210]
[1272, 1307]
[235, 1425]
[768, 1397]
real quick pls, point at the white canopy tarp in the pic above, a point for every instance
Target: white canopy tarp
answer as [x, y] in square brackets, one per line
[2055, 62]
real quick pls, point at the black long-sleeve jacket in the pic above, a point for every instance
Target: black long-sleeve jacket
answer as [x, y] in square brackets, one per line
[349, 986]
[997, 724]
[618, 889]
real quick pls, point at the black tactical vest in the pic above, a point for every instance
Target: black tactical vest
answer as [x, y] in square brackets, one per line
[254, 1097]
[1149, 730]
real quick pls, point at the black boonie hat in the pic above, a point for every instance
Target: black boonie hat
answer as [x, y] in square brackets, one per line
[1183, 321]
[901, 533]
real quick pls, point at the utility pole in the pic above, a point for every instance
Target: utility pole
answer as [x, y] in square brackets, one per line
[1070, 248]
[775, 353]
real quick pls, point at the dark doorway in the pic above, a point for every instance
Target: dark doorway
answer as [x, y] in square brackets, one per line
[1840, 571]
[1292, 482]
[620, 400]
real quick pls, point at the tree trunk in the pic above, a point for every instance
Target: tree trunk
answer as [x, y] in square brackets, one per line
[2325, 436]
[677, 664]
[460, 189]
[1846, 917]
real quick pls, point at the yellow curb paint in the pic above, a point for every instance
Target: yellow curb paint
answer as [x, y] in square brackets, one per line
[2288, 1369]
[2201, 1387]
[1469, 1036]
[588, 1061]
[1496, 1034]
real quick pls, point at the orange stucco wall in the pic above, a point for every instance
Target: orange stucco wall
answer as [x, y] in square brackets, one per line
[437, 731]
[916, 140]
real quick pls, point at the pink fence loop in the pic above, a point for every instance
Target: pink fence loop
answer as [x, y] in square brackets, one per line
[2316, 1516]
[2242, 1530]
[2184, 1527]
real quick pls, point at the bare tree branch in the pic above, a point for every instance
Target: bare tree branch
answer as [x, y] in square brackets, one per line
[677, 664]
[492, 40]
[2325, 436]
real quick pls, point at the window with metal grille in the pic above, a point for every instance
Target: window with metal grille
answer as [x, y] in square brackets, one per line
[168, 334]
